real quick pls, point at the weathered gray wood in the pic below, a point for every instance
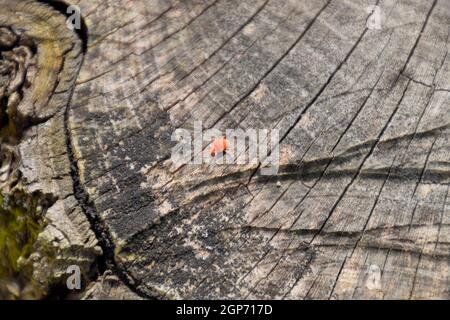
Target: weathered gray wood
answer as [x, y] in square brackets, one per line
[38, 139]
[363, 116]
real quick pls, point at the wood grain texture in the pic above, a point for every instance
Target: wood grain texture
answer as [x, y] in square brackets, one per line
[363, 115]
[38, 139]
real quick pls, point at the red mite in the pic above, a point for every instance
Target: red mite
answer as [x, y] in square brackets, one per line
[218, 145]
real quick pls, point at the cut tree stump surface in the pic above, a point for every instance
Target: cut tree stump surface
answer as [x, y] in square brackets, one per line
[360, 206]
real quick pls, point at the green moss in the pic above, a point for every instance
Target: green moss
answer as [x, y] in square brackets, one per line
[20, 224]
[19, 228]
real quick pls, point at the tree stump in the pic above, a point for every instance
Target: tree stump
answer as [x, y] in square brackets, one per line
[359, 92]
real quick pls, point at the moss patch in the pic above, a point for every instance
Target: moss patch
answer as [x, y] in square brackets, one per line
[20, 224]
